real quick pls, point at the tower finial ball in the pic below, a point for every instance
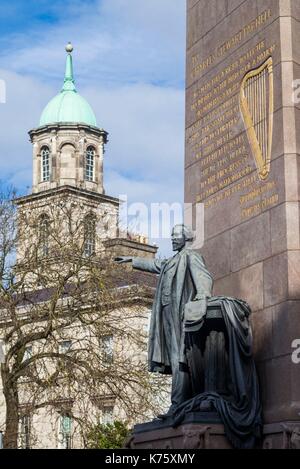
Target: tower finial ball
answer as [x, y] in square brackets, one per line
[69, 48]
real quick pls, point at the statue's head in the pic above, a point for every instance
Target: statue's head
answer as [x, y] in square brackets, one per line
[181, 234]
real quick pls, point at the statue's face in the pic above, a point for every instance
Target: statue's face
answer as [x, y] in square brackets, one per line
[178, 238]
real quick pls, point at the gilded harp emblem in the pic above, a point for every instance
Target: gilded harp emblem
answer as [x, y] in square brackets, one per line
[257, 106]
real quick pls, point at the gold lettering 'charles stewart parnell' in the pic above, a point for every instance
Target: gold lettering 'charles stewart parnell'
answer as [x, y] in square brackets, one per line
[220, 51]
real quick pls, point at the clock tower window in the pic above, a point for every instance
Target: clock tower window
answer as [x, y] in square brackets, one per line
[45, 164]
[90, 164]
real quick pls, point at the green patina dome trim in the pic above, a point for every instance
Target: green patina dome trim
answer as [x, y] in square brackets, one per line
[69, 82]
[68, 105]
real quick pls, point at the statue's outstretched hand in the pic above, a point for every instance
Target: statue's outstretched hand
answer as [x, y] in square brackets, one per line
[123, 260]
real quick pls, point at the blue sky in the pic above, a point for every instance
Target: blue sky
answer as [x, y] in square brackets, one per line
[129, 62]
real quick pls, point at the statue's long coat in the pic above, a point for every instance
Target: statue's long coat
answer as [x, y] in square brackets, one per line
[190, 278]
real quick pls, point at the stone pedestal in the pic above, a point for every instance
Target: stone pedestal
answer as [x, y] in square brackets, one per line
[281, 436]
[252, 220]
[198, 431]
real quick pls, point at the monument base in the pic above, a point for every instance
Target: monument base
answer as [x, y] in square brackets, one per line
[198, 431]
[283, 435]
[206, 431]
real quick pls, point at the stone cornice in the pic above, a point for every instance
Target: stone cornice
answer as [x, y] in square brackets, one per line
[67, 190]
[130, 244]
[47, 129]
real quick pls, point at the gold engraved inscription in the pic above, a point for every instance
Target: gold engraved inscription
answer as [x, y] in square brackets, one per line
[200, 66]
[221, 116]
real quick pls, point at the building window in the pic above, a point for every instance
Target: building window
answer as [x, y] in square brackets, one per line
[25, 432]
[65, 429]
[44, 235]
[107, 345]
[107, 415]
[45, 164]
[65, 346]
[89, 235]
[89, 164]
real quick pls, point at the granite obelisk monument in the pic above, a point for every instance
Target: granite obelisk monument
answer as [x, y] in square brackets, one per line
[242, 162]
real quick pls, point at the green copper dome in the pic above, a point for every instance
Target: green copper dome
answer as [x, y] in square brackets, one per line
[68, 105]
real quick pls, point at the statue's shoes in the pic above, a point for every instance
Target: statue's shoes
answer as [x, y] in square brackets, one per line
[165, 416]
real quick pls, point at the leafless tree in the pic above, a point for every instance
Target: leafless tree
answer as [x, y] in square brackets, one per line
[60, 305]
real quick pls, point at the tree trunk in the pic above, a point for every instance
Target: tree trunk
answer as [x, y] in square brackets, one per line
[10, 440]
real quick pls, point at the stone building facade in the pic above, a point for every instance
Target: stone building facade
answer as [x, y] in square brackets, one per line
[68, 154]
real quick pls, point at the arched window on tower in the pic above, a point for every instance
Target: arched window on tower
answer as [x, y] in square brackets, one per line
[89, 235]
[45, 164]
[44, 235]
[90, 164]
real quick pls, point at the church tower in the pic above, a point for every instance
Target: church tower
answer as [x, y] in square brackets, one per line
[68, 147]
[68, 153]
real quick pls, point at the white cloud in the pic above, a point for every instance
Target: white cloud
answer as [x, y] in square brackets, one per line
[24, 101]
[129, 64]
[143, 191]
[146, 124]
[142, 198]
[116, 40]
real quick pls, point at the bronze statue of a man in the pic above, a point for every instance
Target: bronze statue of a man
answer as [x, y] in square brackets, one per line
[183, 279]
